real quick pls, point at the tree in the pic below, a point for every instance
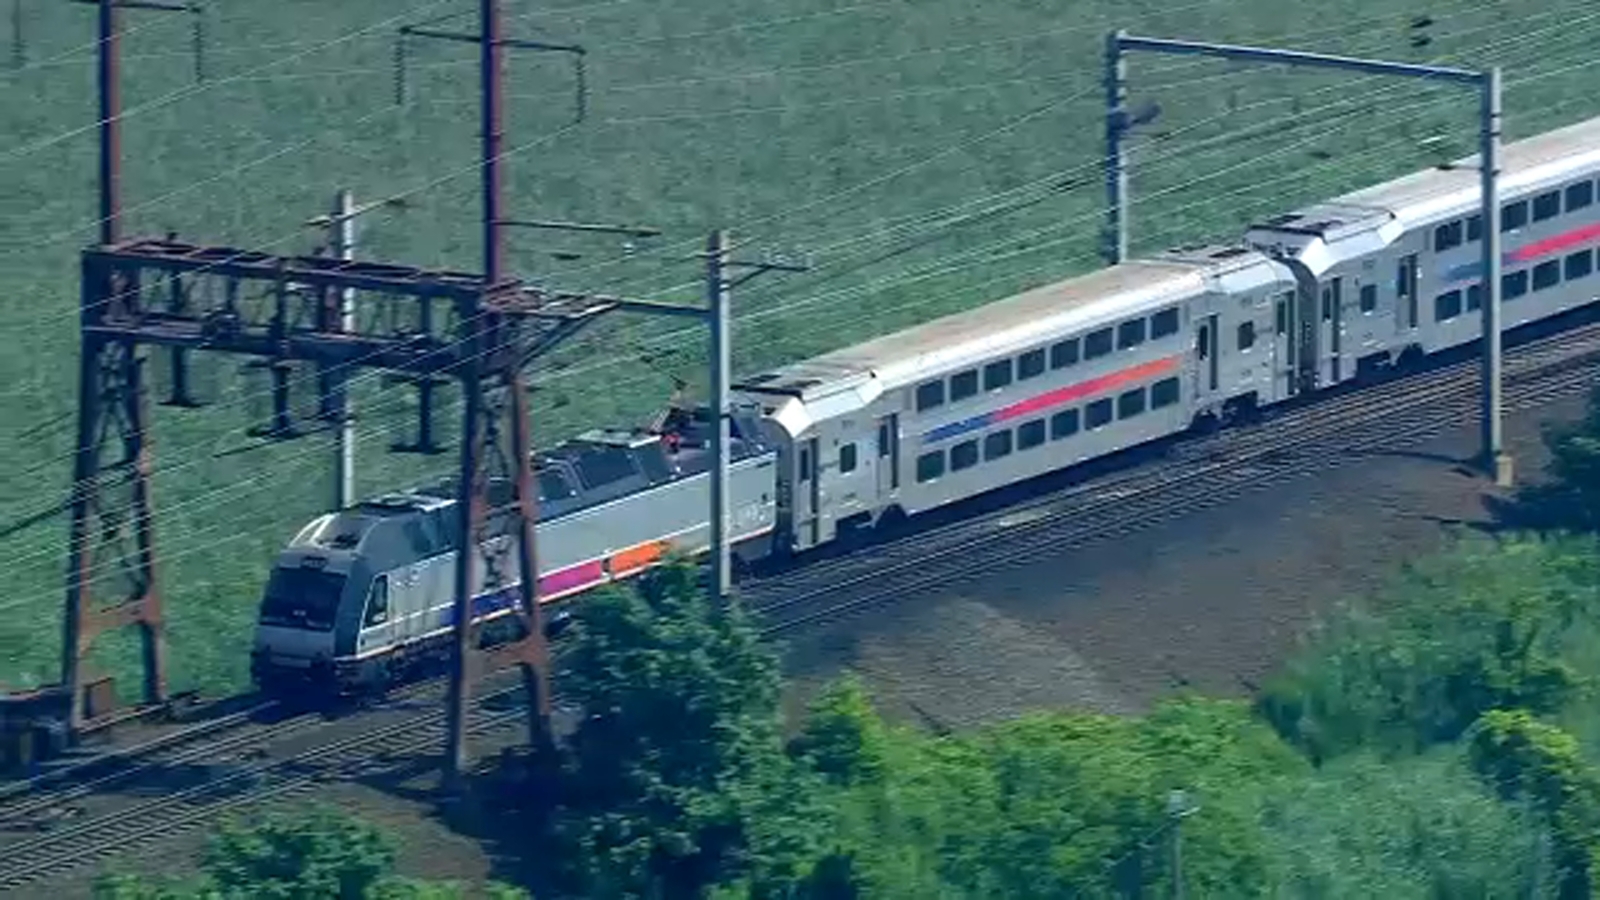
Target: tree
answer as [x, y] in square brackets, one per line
[1524, 758]
[1487, 625]
[322, 855]
[1571, 500]
[677, 780]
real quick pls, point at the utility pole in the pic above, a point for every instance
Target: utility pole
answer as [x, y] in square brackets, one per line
[344, 479]
[1178, 809]
[718, 289]
[717, 313]
[1116, 77]
[1487, 83]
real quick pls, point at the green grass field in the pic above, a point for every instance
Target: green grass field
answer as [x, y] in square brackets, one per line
[925, 156]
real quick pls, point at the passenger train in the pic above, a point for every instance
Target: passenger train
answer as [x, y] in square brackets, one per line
[972, 402]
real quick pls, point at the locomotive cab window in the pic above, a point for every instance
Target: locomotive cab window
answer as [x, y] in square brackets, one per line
[1098, 413]
[1580, 195]
[1547, 206]
[377, 602]
[553, 486]
[1030, 364]
[1097, 344]
[1579, 264]
[1447, 236]
[930, 466]
[963, 456]
[930, 395]
[1369, 297]
[963, 385]
[1130, 334]
[1247, 335]
[847, 458]
[1164, 323]
[997, 375]
[1064, 353]
[1514, 215]
[1547, 275]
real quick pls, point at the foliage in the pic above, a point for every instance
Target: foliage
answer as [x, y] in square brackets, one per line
[323, 854]
[1484, 626]
[677, 779]
[1526, 759]
[320, 855]
[1420, 826]
[1571, 498]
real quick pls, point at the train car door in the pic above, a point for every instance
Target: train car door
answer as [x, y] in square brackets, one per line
[1283, 345]
[807, 495]
[377, 619]
[1307, 322]
[1331, 303]
[1208, 372]
[888, 453]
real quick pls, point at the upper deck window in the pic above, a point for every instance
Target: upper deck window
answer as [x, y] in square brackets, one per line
[930, 395]
[1164, 323]
[963, 385]
[1097, 344]
[1447, 236]
[1130, 334]
[1547, 206]
[1580, 195]
[1514, 215]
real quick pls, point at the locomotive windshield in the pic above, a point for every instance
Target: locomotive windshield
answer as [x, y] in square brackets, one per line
[301, 598]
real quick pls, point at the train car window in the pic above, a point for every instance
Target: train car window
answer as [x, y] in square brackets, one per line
[1164, 393]
[963, 385]
[997, 445]
[963, 456]
[1580, 264]
[1474, 228]
[847, 458]
[1063, 424]
[1369, 297]
[1474, 296]
[1247, 335]
[1164, 323]
[377, 602]
[805, 464]
[930, 395]
[1098, 413]
[1580, 195]
[1130, 403]
[1513, 285]
[1130, 334]
[997, 375]
[1514, 215]
[1447, 236]
[1097, 344]
[930, 466]
[1064, 353]
[1280, 315]
[1547, 275]
[1030, 434]
[1547, 206]
[1030, 364]
[1447, 306]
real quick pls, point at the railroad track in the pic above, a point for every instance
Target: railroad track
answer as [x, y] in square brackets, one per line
[1217, 471]
[167, 816]
[1194, 475]
[43, 801]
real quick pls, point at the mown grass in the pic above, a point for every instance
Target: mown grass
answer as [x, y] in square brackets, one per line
[926, 157]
